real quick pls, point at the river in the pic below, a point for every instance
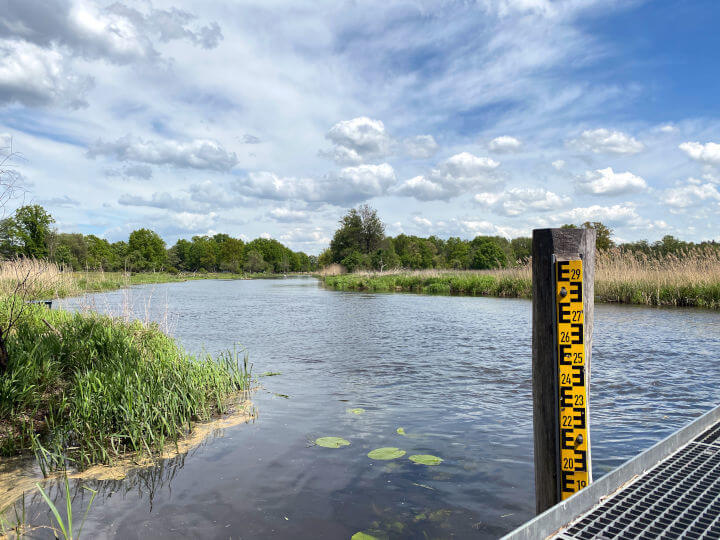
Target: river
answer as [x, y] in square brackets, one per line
[453, 372]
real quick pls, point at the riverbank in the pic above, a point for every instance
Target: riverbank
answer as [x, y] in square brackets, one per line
[44, 281]
[85, 389]
[692, 280]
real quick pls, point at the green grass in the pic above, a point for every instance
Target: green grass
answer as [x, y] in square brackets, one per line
[457, 283]
[88, 389]
[517, 284]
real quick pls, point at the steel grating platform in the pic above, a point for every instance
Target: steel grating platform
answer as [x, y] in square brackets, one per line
[671, 490]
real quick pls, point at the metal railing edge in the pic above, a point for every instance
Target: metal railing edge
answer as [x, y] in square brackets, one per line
[563, 513]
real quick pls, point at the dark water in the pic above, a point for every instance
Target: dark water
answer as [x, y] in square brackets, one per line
[453, 372]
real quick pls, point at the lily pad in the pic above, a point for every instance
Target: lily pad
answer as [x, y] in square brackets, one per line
[364, 536]
[401, 431]
[358, 410]
[389, 452]
[332, 442]
[425, 459]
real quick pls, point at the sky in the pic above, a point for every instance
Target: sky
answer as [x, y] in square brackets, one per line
[454, 118]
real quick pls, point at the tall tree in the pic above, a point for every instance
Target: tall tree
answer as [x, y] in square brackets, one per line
[30, 231]
[146, 250]
[373, 229]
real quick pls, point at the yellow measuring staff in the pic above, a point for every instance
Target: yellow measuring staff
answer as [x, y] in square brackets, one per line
[573, 419]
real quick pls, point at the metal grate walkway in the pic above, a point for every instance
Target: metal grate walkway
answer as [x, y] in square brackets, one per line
[669, 491]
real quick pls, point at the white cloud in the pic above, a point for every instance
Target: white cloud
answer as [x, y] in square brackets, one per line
[693, 193]
[505, 143]
[453, 177]
[667, 128]
[420, 146]
[287, 215]
[606, 141]
[706, 153]
[559, 164]
[475, 227]
[302, 238]
[193, 222]
[34, 76]
[608, 182]
[194, 154]
[358, 140]
[518, 201]
[620, 214]
[422, 222]
[350, 185]
[164, 200]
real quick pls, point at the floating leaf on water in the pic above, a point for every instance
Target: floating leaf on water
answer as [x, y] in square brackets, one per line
[283, 396]
[270, 374]
[425, 459]
[364, 536]
[389, 452]
[401, 431]
[358, 410]
[331, 442]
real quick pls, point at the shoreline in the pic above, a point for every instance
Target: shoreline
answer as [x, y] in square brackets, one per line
[512, 283]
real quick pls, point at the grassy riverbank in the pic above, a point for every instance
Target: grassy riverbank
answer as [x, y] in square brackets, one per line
[43, 280]
[87, 389]
[692, 279]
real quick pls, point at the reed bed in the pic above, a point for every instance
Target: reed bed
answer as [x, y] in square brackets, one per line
[690, 278]
[46, 280]
[83, 389]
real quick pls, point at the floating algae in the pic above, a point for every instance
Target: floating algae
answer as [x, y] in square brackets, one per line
[389, 452]
[358, 410]
[401, 431]
[365, 536]
[331, 442]
[425, 459]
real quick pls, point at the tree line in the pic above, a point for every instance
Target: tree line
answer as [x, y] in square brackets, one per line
[360, 243]
[29, 232]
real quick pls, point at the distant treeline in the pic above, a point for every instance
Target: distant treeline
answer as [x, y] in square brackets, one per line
[360, 244]
[29, 233]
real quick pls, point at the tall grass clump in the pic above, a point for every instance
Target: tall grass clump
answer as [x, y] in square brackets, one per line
[87, 388]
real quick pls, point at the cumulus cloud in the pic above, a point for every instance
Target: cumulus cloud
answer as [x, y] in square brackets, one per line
[300, 236]
[192, 222]
[349, 186]
[455, 176]
[118, 33]
[608, 182]
[619, 214]
[358, 140]
[518, 201]
[195, 154]
[288, 215]
[34, 76]
[607, 142]
[559, 164]
[420, 146]
[505, 144]
[692, 193]
[706, 153]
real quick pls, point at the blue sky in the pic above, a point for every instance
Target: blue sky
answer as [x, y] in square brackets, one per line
[451, 118]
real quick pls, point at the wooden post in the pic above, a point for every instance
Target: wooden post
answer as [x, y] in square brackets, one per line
[548, 247]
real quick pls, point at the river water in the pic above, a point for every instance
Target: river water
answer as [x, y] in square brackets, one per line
[453, 372]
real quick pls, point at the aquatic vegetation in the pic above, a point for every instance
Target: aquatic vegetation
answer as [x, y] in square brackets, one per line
[66, 526]
[357, 410]
[366, 536]
[691, 278]
[331, 442]
[401, 431]
[270, 374]
[425, 459]
[386, 453]
[87, 389]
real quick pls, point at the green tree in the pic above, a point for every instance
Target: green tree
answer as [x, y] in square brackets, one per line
[604, 234]
[487, 253]
[146, 250]
[521, 248]
[254, 261]
[28, 232]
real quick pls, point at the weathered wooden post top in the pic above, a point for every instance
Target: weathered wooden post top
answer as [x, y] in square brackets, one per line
[563, 274]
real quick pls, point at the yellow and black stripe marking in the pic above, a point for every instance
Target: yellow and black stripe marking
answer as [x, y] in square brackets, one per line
[572, 389]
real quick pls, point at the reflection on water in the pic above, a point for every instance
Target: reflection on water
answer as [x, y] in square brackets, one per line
[453, 372]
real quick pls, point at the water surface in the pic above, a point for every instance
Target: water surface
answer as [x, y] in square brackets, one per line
[454, 372]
